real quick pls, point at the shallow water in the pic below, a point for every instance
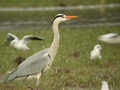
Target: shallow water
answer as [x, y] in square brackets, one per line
[89, 16]
[81, 7]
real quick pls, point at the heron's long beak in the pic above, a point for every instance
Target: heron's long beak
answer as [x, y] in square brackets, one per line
[71, 17]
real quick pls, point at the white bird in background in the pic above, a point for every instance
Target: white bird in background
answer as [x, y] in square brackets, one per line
[96, 52]
[104, 86]
[20, 44]
[112, 38]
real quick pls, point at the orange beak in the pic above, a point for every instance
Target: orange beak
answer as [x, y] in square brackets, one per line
[71, 17]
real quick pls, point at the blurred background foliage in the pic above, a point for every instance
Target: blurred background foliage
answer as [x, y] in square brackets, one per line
[38, 3]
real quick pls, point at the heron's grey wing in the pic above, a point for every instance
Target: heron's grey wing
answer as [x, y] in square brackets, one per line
[10, 37]
[32, 65]
[26, 38]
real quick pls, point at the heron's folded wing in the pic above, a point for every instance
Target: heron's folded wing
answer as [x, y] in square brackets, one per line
[32, 65]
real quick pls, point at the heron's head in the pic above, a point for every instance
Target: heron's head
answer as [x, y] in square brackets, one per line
[62, 17]
[98, 47]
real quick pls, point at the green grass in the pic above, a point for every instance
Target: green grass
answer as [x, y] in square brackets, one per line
[74, 71]
[38, 3]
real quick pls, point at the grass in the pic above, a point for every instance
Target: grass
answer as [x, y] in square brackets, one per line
[38, 3]
[74, 68]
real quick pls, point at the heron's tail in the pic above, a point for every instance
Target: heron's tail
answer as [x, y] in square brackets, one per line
[3, 78]
[11, 76]
[8, 77]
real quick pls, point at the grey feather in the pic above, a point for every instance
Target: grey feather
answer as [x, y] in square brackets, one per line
[32, 65]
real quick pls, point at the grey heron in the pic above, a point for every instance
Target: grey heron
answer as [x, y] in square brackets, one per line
[96, 52]
[42, 60]
[112, 38]
[21, 44]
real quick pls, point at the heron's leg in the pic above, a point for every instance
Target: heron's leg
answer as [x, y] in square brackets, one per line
[91, 57]
[100, 57]
[38, 77]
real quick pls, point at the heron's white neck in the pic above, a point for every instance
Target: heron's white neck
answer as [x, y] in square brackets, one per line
[55, 44]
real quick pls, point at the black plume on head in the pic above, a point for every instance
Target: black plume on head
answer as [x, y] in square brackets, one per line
[58, 15]
[51, 19]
